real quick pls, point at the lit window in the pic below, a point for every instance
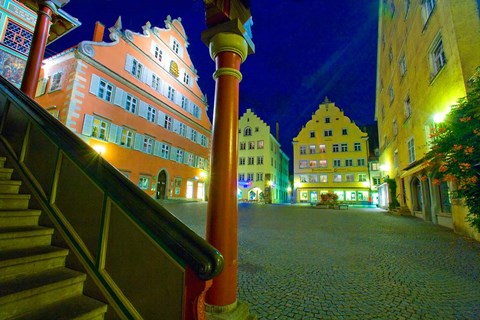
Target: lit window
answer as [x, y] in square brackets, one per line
[303, 164]
[337, 178]
[99, 129]
[303, 178]
[322, 163]
[313, 178]
[395, 159]
[251, 145]
[260, 144]
[322, 148]
[312, 164]
[126, 138]
[144, 183]
[323, 178]
[312, 149]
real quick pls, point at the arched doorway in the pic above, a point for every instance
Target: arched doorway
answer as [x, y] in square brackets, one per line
[162, 185]
[417, 197]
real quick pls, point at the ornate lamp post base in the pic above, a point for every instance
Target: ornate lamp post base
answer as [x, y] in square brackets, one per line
[236, 311]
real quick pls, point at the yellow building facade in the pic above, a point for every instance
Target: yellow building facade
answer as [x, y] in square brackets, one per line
[427, 51]
[262, 165]
[331, 155]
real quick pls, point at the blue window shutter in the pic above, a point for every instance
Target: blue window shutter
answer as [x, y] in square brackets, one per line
[87, 125]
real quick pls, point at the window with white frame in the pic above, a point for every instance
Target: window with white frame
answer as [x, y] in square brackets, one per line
[328, 133]
[179, 156]
[403, 66]
[427, 9]
[251, 160]
[203, 140]
[344, 147]
[303, 178]
[362, 177]
[259, 159]
[312, 149]
[361, 162]
[259, 176]
[184, 102]
[395, 159]
[131, 103]
[147, 146]
[411, 150]
[337, 163]
[437, 56]
[100, 128]
[337, 177]
[158, 54]
[303, 149]
[186, 78]
[243, 145]
[175, 46]
[260, 144]
[348, 162]
[56, 83]
[144, 183]
[407, 107]
[190, 159]
[105, 90]
[241, 177]
[247, 131]
[313, 178]
[126, 139]
[196, 111]
[165, 151]
[155, 82]
[182, 129]
[335, 148]
[407, 4]
[171, 93]
[151, 114]
[249, 176]
[322, 148]
[137, 69]
[193, 135]
[357, 146]
[303, 164]
[241, 161]
[350, 177]
[323, 163]
[344, 131]
[251, 145]
[323, 178]
[167, 124]
[376, 181]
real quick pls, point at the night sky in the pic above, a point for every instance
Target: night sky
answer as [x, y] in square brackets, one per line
[305, 50]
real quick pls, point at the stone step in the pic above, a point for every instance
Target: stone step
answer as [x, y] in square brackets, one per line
[24, 237]
[19, 262]
[22, 295]
[18, 218]
[14, 201]
[2, 161]
[77, 308]
[5, 173]
[10, 186]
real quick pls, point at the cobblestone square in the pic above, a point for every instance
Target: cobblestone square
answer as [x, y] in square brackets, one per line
[298, 262]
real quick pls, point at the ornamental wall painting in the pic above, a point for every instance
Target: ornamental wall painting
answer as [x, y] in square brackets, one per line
[12, 68]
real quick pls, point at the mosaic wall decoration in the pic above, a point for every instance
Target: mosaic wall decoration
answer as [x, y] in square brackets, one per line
[11, 67]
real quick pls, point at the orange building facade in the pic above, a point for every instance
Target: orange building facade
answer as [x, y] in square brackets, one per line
[137, 102]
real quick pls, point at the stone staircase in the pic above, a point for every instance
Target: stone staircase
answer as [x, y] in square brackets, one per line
[34, 282]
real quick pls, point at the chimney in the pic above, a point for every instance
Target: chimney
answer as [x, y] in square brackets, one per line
[98, 32]
[277, 131]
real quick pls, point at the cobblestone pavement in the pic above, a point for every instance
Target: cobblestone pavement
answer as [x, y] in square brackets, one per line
[297, 262]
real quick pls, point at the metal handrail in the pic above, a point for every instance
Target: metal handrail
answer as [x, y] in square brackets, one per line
[164, 228]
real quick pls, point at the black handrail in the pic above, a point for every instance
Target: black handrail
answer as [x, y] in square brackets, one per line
[155, 220]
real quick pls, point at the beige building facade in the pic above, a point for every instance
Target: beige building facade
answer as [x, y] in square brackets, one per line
[262, 165]
[427, 52]
[330, 154]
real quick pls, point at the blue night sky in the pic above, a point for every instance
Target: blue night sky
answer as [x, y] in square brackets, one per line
[305, 50]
